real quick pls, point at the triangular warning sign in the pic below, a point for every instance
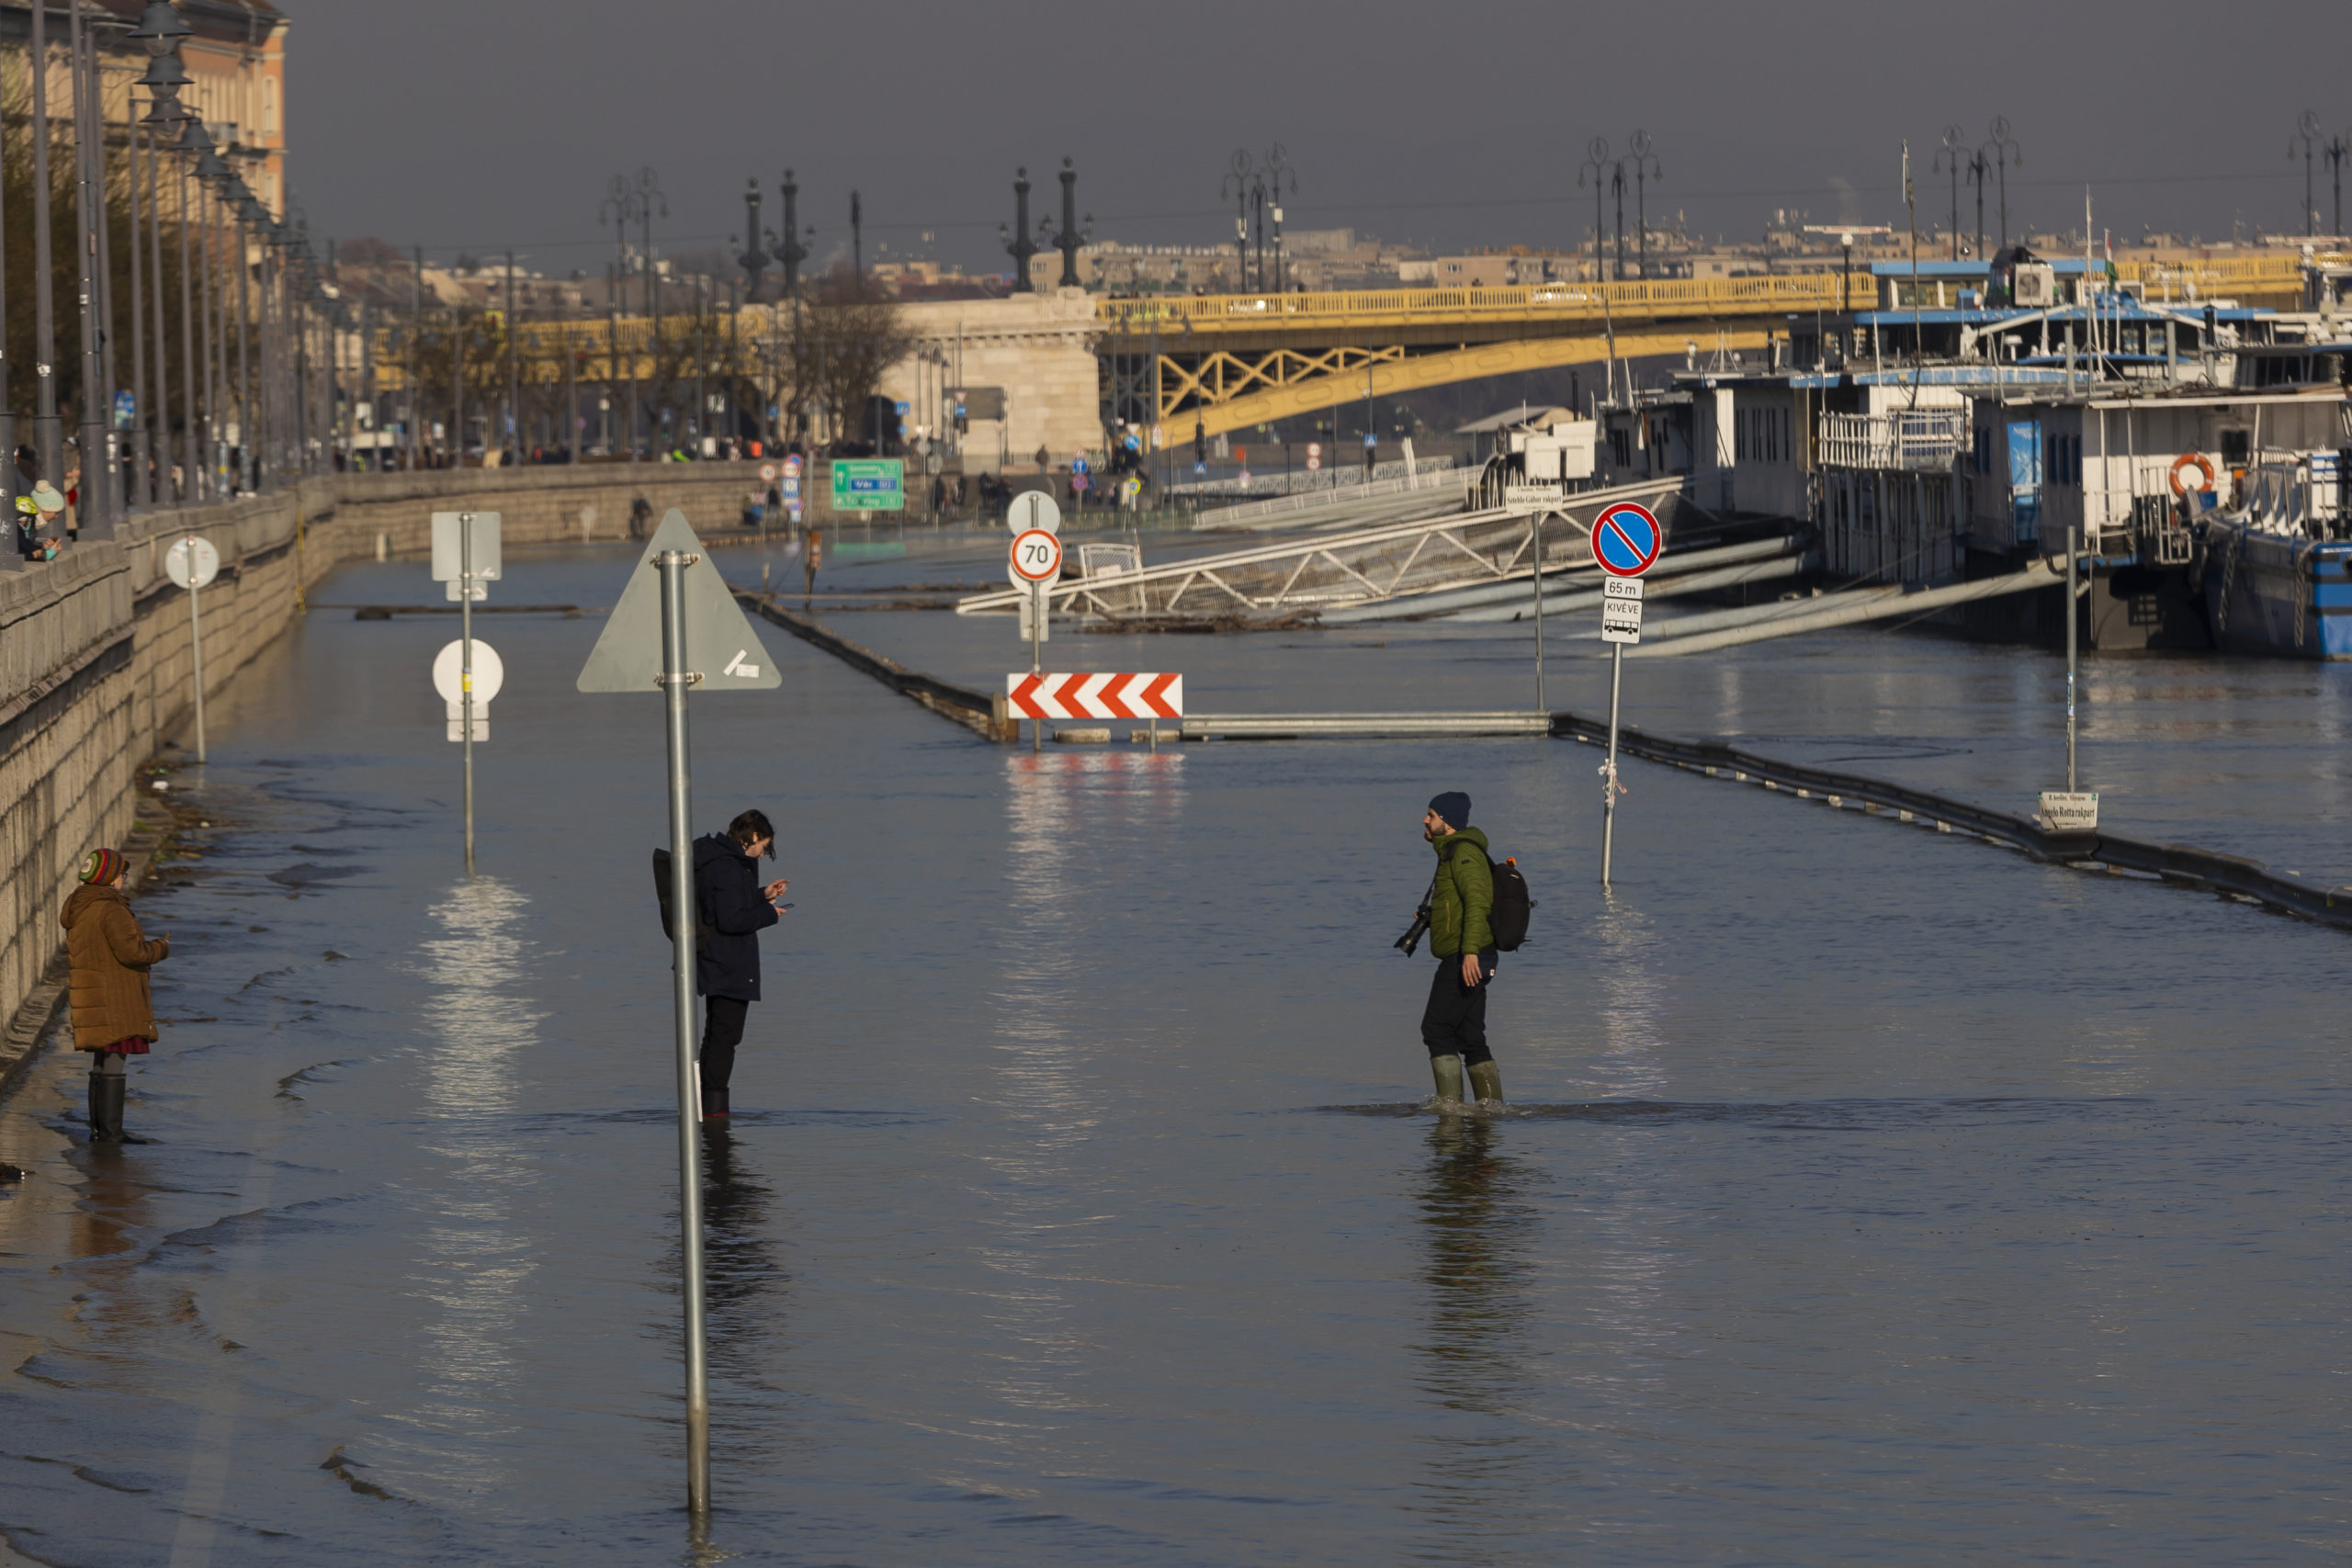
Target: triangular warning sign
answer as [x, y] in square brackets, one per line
[720, 645]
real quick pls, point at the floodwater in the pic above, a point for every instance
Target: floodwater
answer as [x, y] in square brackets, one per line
[1873, 1195]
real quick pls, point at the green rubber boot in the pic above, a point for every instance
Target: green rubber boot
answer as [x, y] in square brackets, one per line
[1487, 1084]
[1447, 1071]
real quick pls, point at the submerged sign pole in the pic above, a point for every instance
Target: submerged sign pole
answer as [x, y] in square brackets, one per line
[1626, 539]
[678, 625]
[465, 667]
[675, 679]
[192, 562]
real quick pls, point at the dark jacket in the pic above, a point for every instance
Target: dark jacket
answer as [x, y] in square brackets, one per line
[1463, 896]
[110, 958]
[728, 900]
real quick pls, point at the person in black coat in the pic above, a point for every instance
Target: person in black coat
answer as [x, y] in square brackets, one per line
[731, 907]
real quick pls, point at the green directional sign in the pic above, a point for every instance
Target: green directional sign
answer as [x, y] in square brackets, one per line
[869, 484]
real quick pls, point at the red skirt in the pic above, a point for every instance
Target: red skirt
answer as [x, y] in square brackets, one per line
[134, 1045]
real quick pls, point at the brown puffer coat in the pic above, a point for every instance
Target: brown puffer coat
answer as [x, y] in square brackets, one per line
[110, 961]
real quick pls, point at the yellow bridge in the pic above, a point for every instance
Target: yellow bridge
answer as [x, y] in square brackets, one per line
[1229, 362]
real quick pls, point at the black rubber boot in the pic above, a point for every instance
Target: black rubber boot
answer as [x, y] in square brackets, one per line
[714, 1105]
[106, 1108]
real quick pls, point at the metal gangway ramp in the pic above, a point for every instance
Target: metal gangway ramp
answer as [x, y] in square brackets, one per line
[1288, 580]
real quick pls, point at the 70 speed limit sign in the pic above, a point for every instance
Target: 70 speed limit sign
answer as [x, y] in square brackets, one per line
[1037, 557]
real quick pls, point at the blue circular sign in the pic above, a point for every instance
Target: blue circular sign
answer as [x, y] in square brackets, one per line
[1626, 539]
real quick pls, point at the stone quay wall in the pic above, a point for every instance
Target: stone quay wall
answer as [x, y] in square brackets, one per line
[95, 661]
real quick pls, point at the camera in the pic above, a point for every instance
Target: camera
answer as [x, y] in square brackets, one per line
[1412, 936]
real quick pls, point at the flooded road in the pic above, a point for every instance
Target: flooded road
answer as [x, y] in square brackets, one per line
[1872, 1196]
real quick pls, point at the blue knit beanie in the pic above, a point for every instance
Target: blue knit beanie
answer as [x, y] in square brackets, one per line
[1454, 806]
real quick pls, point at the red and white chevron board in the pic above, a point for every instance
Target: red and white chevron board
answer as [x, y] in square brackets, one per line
[1096, 696]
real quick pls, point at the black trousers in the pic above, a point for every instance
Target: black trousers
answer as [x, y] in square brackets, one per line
[1454, 1022]
[722, 1030]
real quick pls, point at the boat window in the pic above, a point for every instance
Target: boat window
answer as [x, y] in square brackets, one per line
[2236, 447]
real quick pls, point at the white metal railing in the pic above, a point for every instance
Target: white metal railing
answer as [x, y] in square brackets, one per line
[1927, 439]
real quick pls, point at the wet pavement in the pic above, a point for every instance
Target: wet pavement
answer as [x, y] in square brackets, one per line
[1874, 1195]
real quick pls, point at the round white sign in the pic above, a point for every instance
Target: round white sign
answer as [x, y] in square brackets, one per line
[192, 561]
[489, 672]
[1033, 509]
[767, 472]
[1037, 557]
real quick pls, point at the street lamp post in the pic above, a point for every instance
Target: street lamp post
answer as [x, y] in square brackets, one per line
[2004, 156]
[1020, 246]
[1238, 180]
[1952, 156]
[2307, 132]
[49, 435]
[1597, 165]
[2338, 148]
[1278, 176]
[1646, 166]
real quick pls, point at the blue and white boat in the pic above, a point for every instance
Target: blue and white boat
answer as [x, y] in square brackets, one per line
[2277, 569]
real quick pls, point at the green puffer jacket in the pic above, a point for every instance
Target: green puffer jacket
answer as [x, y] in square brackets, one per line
[1463, 896]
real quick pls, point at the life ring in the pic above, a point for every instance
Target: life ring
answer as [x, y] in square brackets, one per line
[2203, 466]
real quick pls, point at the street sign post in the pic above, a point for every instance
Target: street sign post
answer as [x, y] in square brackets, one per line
[192, 562]
[1626, 540]
[466, 557]
[455, 685]
[1151, 695]
[677, 625]
[1313, 456]
[1034, 562]
[1033, 509]
[869, 484]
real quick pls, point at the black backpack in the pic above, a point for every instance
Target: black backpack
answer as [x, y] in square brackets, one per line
[704, 930]
[1508, 919]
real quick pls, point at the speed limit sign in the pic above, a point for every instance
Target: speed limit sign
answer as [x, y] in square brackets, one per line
[1037, 557]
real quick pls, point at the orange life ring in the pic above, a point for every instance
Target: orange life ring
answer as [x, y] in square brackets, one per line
[2203, 466]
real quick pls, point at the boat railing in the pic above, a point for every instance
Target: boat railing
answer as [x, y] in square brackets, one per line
[1912, 440]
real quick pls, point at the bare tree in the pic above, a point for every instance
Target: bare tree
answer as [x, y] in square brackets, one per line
[852, 333]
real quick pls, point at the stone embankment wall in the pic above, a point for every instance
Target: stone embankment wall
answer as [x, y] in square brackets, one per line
[95, 651]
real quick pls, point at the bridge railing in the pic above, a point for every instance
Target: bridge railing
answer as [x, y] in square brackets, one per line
[1564, 302]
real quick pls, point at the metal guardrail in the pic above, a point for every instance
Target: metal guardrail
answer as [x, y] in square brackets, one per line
[2183, 864]
[1301, 726]
[983, 712]
[1435, 475]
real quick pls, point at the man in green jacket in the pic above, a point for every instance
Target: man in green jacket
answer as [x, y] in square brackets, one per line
[1454, 1025]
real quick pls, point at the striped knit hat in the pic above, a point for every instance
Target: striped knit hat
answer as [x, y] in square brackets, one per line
[100, 867]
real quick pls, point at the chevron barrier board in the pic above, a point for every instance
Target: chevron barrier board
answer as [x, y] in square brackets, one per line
[1095, 695]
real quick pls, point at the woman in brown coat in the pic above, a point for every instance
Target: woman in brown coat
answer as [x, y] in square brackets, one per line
[113, 1017]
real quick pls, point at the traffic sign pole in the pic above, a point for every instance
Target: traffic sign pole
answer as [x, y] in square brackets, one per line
[674, 681]
[466, 666]
[1626, 540]
[192, 562]
[196, 648]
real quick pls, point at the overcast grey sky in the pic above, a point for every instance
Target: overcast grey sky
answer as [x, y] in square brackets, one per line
[480, 124]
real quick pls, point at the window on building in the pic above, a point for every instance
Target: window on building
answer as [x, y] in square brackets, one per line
[269, 106]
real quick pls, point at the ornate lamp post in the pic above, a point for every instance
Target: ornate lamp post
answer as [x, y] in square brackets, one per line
[1237, 180]
[2306, 132]
[1019, 245]
[1597, 165]
[1279, 177]
[1952, 156]
[1646, 166]
[2005, 157]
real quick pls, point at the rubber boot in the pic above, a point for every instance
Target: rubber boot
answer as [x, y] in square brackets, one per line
[106, 1111]
[1447, 1071]
[714, 1105]
[1487, 1084]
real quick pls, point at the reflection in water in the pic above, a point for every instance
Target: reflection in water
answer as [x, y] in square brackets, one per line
[1064, 809]
[1487, 1463]
[473, 1260]
[743, 1278]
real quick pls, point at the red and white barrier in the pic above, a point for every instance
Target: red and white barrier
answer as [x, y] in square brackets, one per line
[1095, 695]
